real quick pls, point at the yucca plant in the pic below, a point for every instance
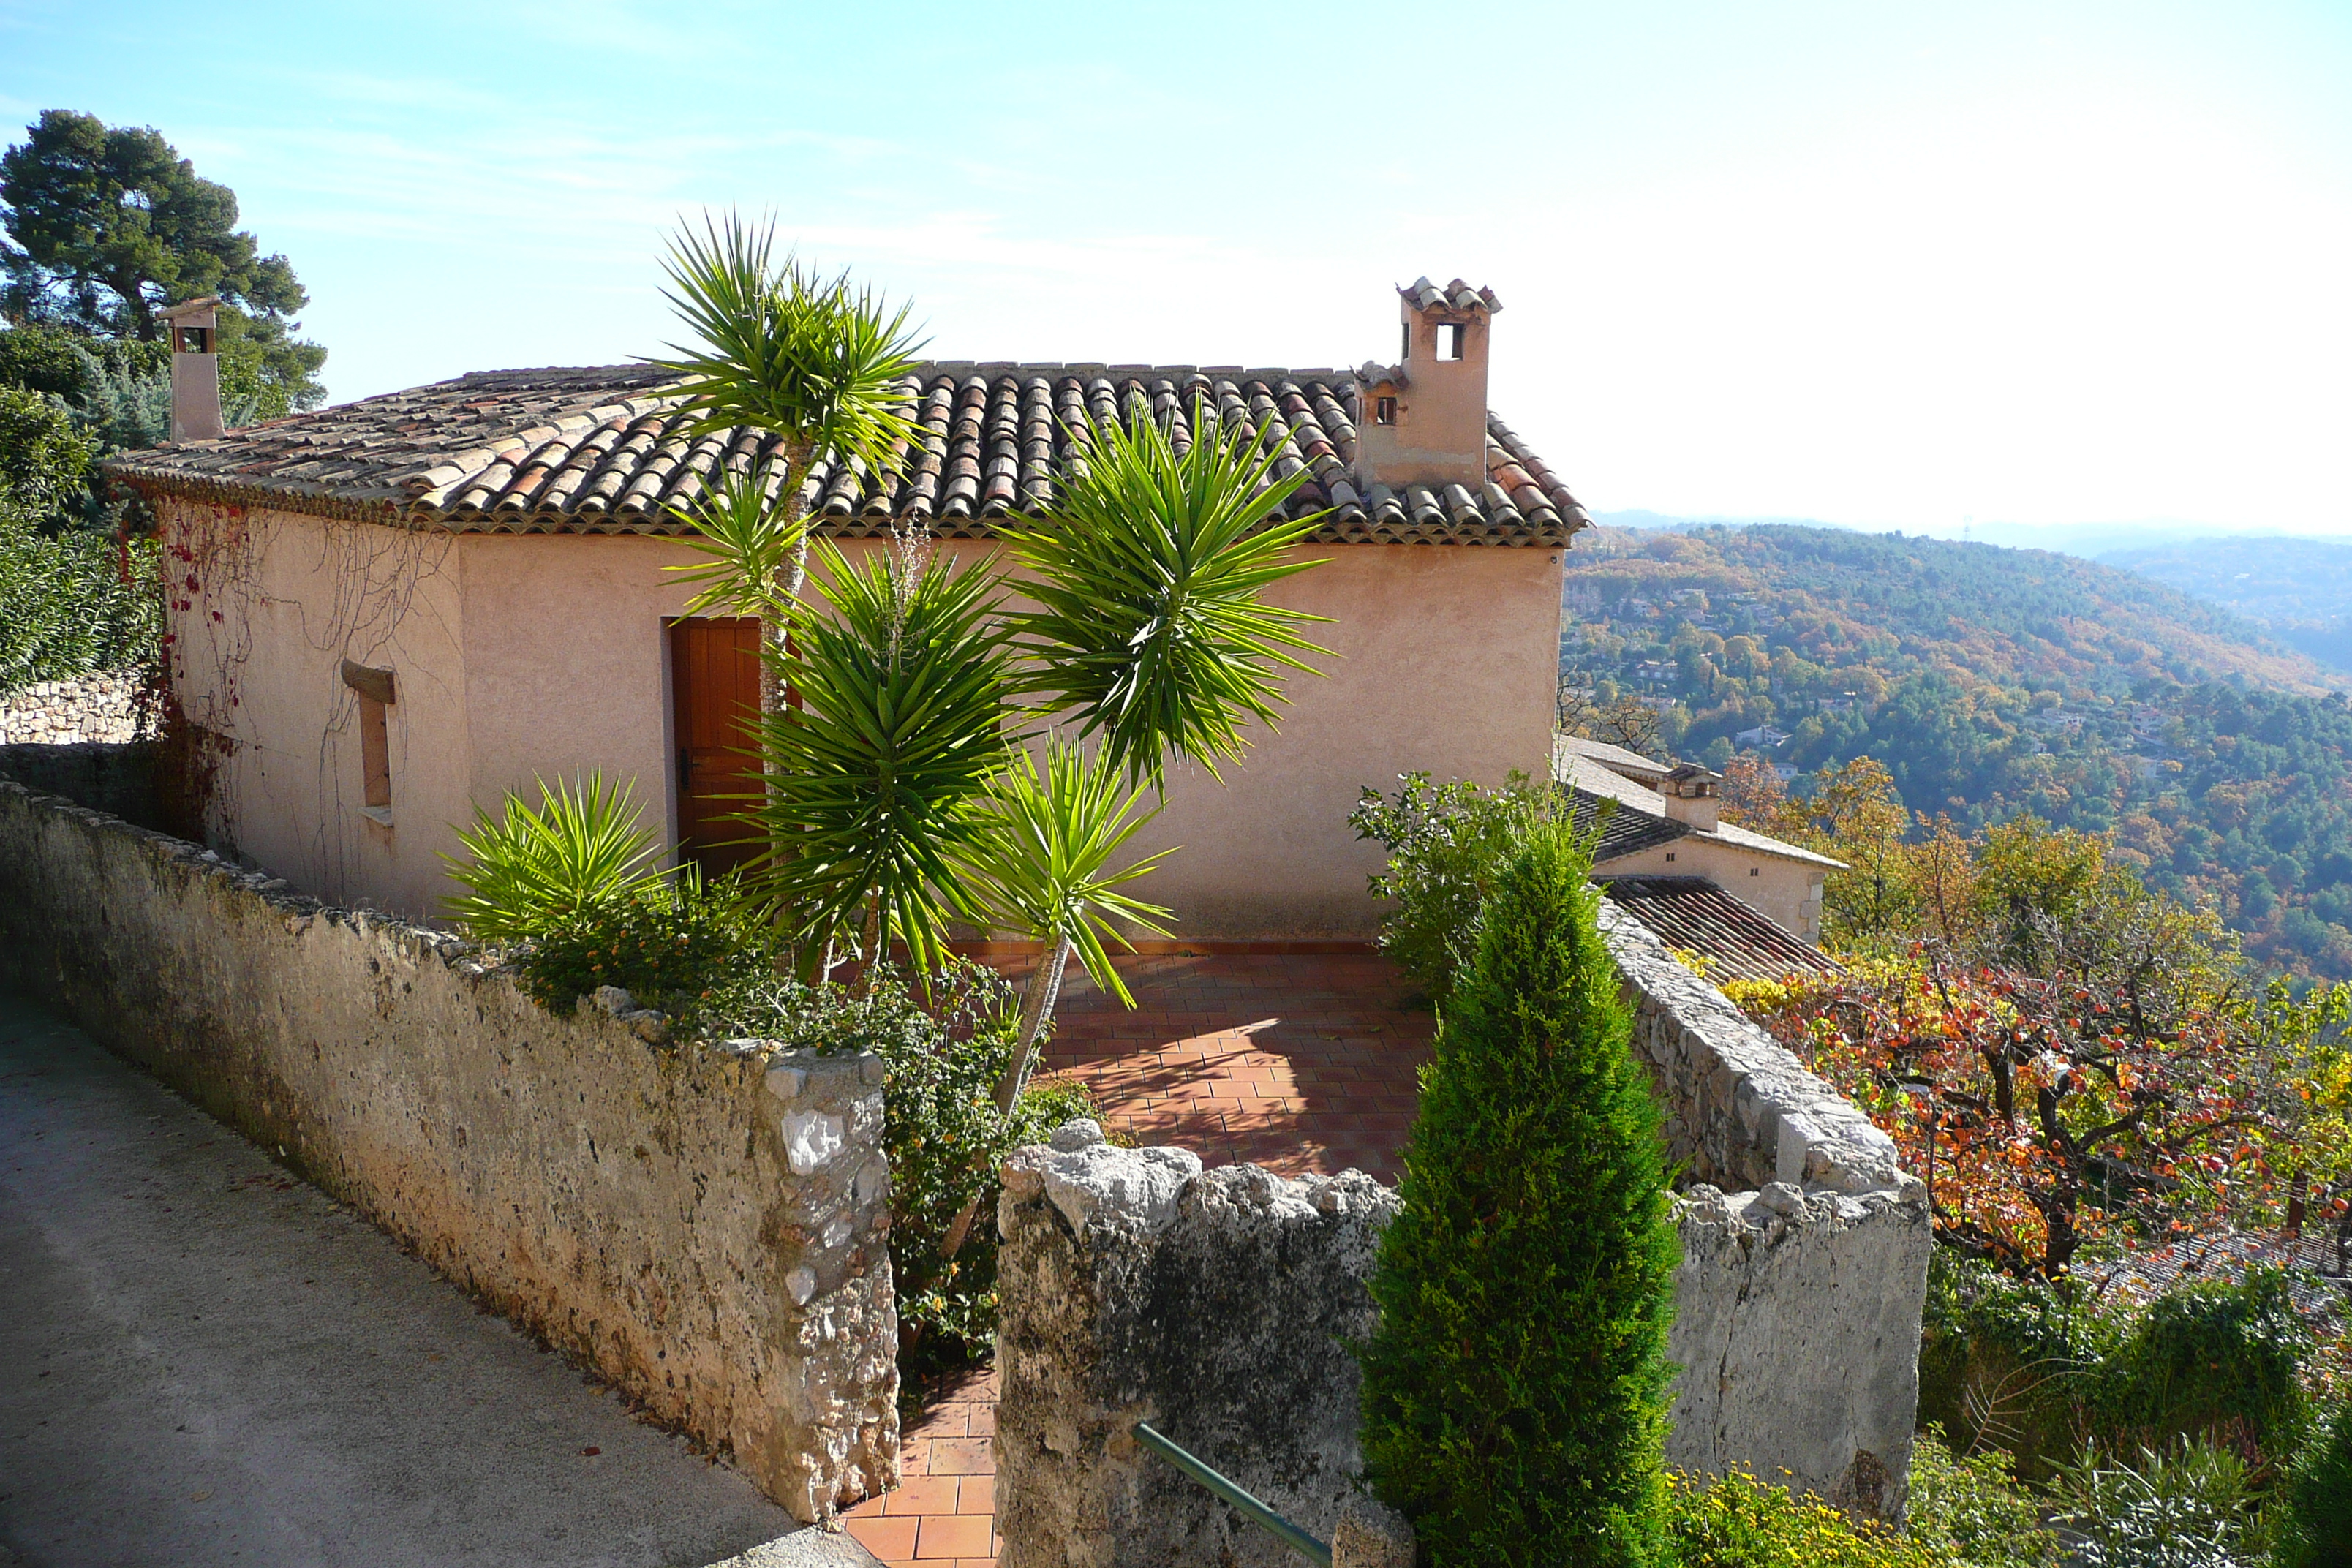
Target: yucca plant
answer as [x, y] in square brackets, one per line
[876, 768]
[530, 867]
[1148, 571]
[819, 363]
[1045, 836]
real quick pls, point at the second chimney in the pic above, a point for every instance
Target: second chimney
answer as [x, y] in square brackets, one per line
[1423, 420]
[1693, 795]
[196, 369]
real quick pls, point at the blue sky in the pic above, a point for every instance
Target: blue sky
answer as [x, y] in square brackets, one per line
[1884, 264]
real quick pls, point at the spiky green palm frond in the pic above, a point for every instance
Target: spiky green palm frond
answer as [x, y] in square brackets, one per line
[1047, 833]
[819, 361]
[897, 679]
[531, 865]
[747, 540]
[1149, 569]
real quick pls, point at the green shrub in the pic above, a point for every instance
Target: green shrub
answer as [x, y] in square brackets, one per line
[44, 460]
[2009, 1362]
[65, 609]
[2187, 1508]
[1515, 1389]
[1971, 1508]
[1447, 845]
[945, 1052]
[2315, 1508]
[1737, 1521]
[529, 868]
[671, 944]
[2212, 1358]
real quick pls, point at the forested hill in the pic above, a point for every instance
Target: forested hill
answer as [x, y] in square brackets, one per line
[1992, 682]
[2298, 590]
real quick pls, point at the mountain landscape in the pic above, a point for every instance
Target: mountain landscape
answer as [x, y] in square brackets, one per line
[1993, 682]
[2298, 590]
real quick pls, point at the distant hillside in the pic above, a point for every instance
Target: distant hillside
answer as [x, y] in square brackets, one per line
[2298, 590]
[1992, 682]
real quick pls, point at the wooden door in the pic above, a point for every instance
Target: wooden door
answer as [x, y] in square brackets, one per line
[715, 697]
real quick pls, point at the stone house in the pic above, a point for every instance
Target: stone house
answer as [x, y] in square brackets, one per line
[384, 614]
[1666, 825]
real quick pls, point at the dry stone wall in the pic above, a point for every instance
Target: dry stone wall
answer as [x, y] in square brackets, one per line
[1216, 1305]
[87, 710]
[708, 1225]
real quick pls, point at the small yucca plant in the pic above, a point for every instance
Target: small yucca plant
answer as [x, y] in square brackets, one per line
[529, 868]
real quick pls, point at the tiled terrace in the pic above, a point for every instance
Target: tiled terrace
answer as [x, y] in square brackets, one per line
[1297, 1062]
[1300, 1063]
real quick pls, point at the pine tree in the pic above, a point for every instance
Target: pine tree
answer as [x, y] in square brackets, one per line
[1516, 1389]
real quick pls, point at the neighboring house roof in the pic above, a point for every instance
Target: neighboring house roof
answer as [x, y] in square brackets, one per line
[1694, 915]
[1616, 759]
[593, 450]
[1640, 821]
[2310, 1261]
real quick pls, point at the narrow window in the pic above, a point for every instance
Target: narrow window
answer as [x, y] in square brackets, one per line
[1755, 871]
[1670, 857]
[1449, 340]
[376, 693]
[1404, 349]
[375, 753]
[1384, 411]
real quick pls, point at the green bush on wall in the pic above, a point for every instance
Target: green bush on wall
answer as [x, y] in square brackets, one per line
[1514, 1390]
[945, 1044]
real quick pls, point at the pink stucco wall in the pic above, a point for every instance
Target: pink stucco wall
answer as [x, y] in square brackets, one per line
[540, 655]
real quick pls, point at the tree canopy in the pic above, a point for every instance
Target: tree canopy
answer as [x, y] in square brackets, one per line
[107, 225]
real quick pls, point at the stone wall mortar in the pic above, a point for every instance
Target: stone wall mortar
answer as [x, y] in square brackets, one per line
[705, 1225]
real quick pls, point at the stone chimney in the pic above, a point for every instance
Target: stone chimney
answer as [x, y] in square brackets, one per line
[196, 370]
[1693, 795]
[1423, 420]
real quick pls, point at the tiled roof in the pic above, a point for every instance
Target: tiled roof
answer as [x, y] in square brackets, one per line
[1616, 759]
[1640, 821]
[593, 450]
[1626, 828]
[1694, 915]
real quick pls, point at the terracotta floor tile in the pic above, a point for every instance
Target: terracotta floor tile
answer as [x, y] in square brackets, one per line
[955, 1535]
[979, 1492]
[961, 1457]
[886, 1538]
[922, 1494]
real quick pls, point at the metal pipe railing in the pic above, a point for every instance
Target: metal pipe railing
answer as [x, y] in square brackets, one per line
[1248, 1507]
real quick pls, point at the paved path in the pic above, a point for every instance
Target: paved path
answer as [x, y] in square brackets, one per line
[204, 1361]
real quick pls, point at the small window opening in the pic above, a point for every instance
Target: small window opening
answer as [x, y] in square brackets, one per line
[1755, 871]
[1670, 857]
[376, 693]
[1404, 349]
[195, 339]
[1384, 411]
[1449, 340]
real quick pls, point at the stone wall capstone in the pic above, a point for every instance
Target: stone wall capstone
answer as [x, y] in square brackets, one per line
[705, 1225]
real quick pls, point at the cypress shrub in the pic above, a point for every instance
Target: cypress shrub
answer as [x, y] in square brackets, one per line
[1514, 1391]
[2316, 1526]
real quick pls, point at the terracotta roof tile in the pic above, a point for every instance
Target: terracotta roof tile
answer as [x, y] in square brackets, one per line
[595, 450]
[1694, 915]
